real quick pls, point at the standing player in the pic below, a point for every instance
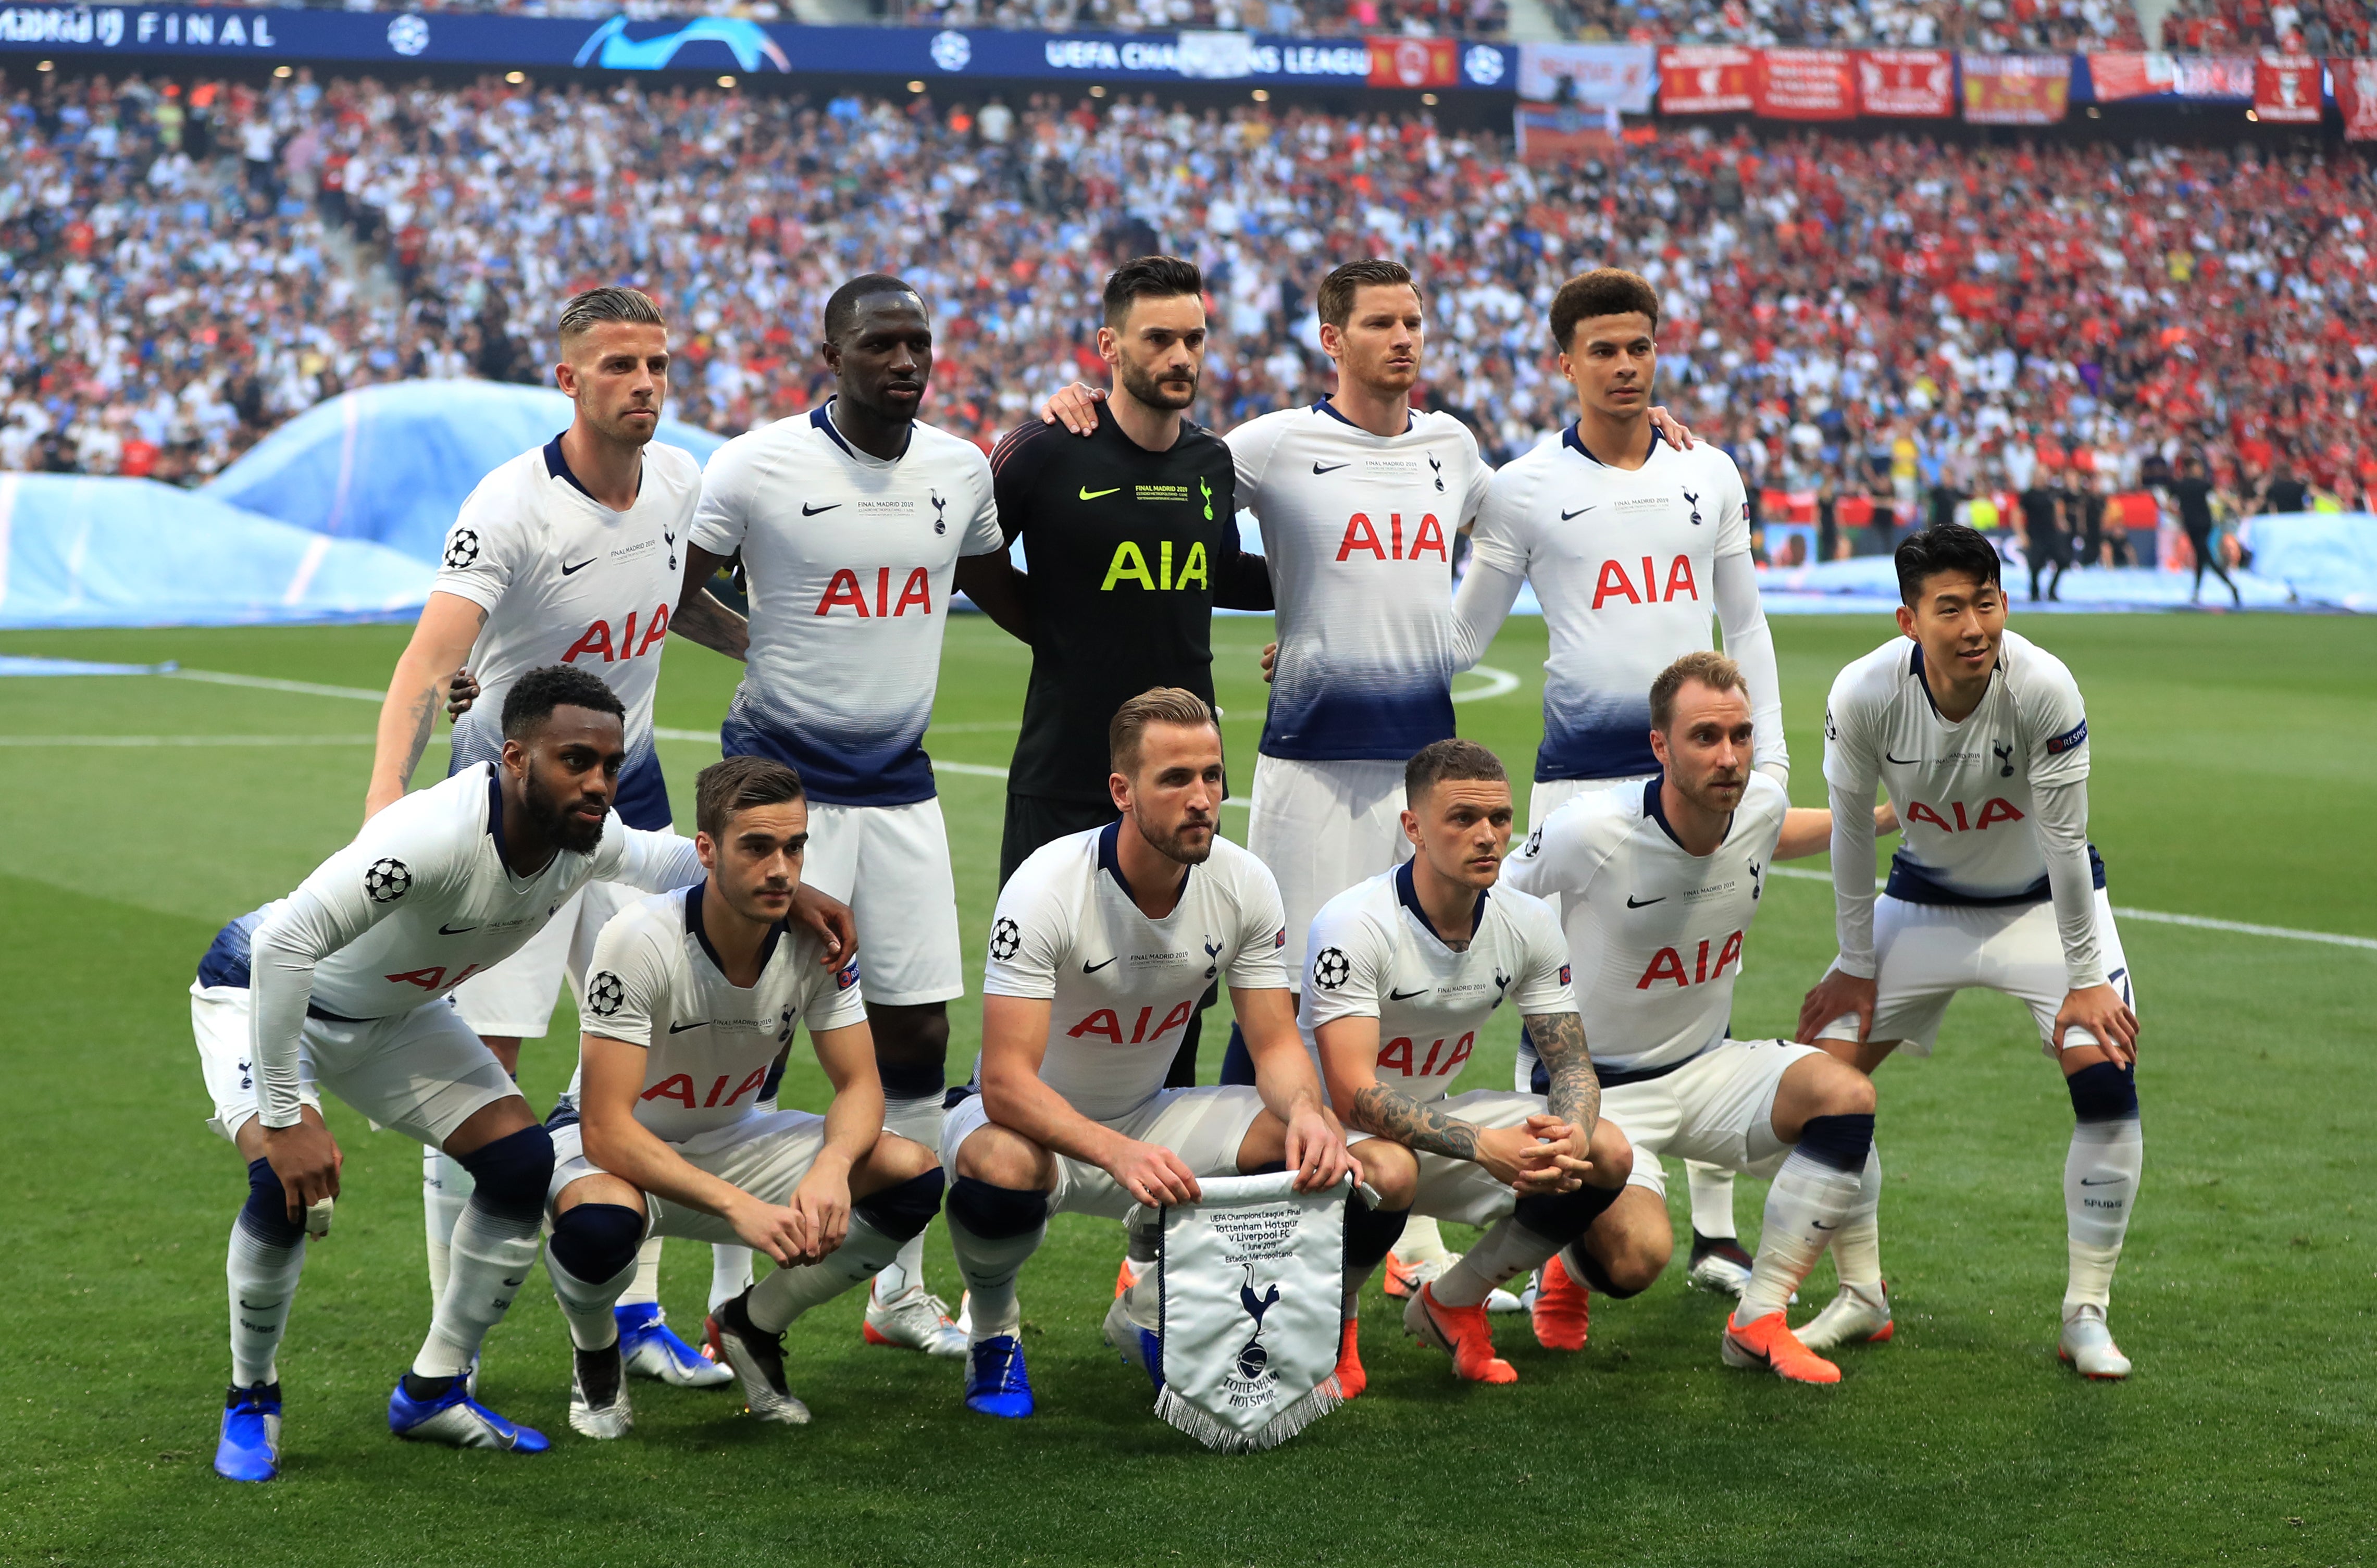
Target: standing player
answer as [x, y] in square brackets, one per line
[1631, 542]
[342, 985]
[1657, 888]
[693, 995]
[1101, 944]
[1407, 969]
[850, 520]
[1982, 740]
[565, 555]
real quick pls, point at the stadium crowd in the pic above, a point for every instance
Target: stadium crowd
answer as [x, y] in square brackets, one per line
[183, 266]
[2308, 27]
[1987, 24]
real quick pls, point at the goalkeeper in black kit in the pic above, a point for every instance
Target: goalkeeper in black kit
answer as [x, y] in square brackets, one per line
[1132, 539]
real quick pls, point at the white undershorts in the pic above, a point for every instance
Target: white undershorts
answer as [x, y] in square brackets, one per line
[1718, 1107]
[1203, 1126]
[765, 1154]
[516, 998]
[1320, 827]
[1925, 953]
[891, 864]
[422, 1073]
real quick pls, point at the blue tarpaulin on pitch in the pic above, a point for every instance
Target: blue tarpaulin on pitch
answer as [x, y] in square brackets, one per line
[393, 463]
[2325, 557]
[79, 551]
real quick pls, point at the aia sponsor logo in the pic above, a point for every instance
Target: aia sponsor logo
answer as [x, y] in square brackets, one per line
[1995, 809]
[847, 591]
[1107, 1025]
[1362, 537]
[1668, 965]
[1398, 1055]
[1615, 582]
[598, 640]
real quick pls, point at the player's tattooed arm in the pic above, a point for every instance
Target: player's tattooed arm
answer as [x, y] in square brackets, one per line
[1390, 1113]
[1576, 1096]
[441, 640]
[700, 616]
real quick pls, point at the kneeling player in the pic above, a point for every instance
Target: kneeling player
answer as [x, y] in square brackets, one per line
[691, 996]
[1982, 738]
[1406, 968]
[1101, 945]
[1658, 885]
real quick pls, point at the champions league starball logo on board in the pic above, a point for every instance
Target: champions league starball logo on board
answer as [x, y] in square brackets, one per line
[1483, 65]
[408, 35]
[952, 51]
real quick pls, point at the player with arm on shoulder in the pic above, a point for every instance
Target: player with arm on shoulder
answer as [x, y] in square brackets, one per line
[1101, 943]
[850, 520]
[342, 985]
[693, 995]
[1407, 969]
[569, 554]
[1982, 740]
[1632, 543]
[1658, 885]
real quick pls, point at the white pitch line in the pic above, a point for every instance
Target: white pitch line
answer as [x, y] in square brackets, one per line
[71, 741]
[265, 683]
[2162, 917]
[1498, 683]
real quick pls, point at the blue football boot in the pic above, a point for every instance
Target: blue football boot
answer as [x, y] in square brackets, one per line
[996, 1383]
[250, 1448]
[652, 1349]
[457, 1421]
[1141, 1347]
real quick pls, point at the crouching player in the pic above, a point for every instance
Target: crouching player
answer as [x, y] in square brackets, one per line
[342, 985]
[1101, 945]
[690, 997]
[1406, 968]
[1658, 884]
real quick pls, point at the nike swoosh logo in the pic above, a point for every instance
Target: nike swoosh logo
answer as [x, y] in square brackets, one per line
[1331, 468]
[1579, 512]
[1090, 495]
[567, 569]
[1406, 996]
[454, 930]
[2111, 1182]
[681, 1028]
[1632, 903]
[1089, 968]
[1901, 761]
[1820, 1224]
[808, 510]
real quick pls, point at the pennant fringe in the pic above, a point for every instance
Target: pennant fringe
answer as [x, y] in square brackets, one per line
[1323, 1398]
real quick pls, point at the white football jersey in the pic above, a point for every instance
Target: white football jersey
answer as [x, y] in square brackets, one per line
[1963, 790]
[567, 580]
[1359, 530]
[1122, 986]
[1654, 933]
[420, 902]
[1375, 955]
[850, 560]
[655, 982]
[1625, 566]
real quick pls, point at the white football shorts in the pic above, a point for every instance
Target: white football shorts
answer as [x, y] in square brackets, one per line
[765, 1154]
[517, 997]
[1547, 795]
[421, 1074]
[891, 864]
[1718, 1107]
[1925, 953]
[1320, 827]
[1203, 1126]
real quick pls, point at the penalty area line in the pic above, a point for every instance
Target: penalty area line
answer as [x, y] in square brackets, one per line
[2164, 917]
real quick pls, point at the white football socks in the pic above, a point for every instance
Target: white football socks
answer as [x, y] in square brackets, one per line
[2101, 1186]
[989, 1268]
[1856, 1246]
[730, 1272]
[587, 1304]
[646, 1285]
[444, 1188]
[787, 1293]
[919, 1120]
[491, 1256]
[1422, 1242]
[1712, 1188]
[1806, 1206]
[1502, 1255]
[263, 1281]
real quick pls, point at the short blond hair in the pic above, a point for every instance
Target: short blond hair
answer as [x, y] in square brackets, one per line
[1710, 669]
[1156, 705]
[595, 307]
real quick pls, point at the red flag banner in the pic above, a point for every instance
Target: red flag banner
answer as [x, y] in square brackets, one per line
[1562, 133]
[1415, 61]
[2016, 89]
[1711, 79]
[1804, 84]
[1910, 84]
[2356, 94]
[2126, 74]
[2286, 89]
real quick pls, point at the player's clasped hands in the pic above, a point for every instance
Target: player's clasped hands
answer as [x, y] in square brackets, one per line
[803, 1231]
[1546, 1155]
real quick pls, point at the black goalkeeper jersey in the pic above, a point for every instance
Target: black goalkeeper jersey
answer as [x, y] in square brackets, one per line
[1126, 552]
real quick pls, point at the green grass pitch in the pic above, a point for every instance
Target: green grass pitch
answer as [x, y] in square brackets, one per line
[2232, 767]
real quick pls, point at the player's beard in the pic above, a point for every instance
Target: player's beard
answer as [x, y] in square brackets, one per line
[558, 824]
[1171, 844]
[1145, 388]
